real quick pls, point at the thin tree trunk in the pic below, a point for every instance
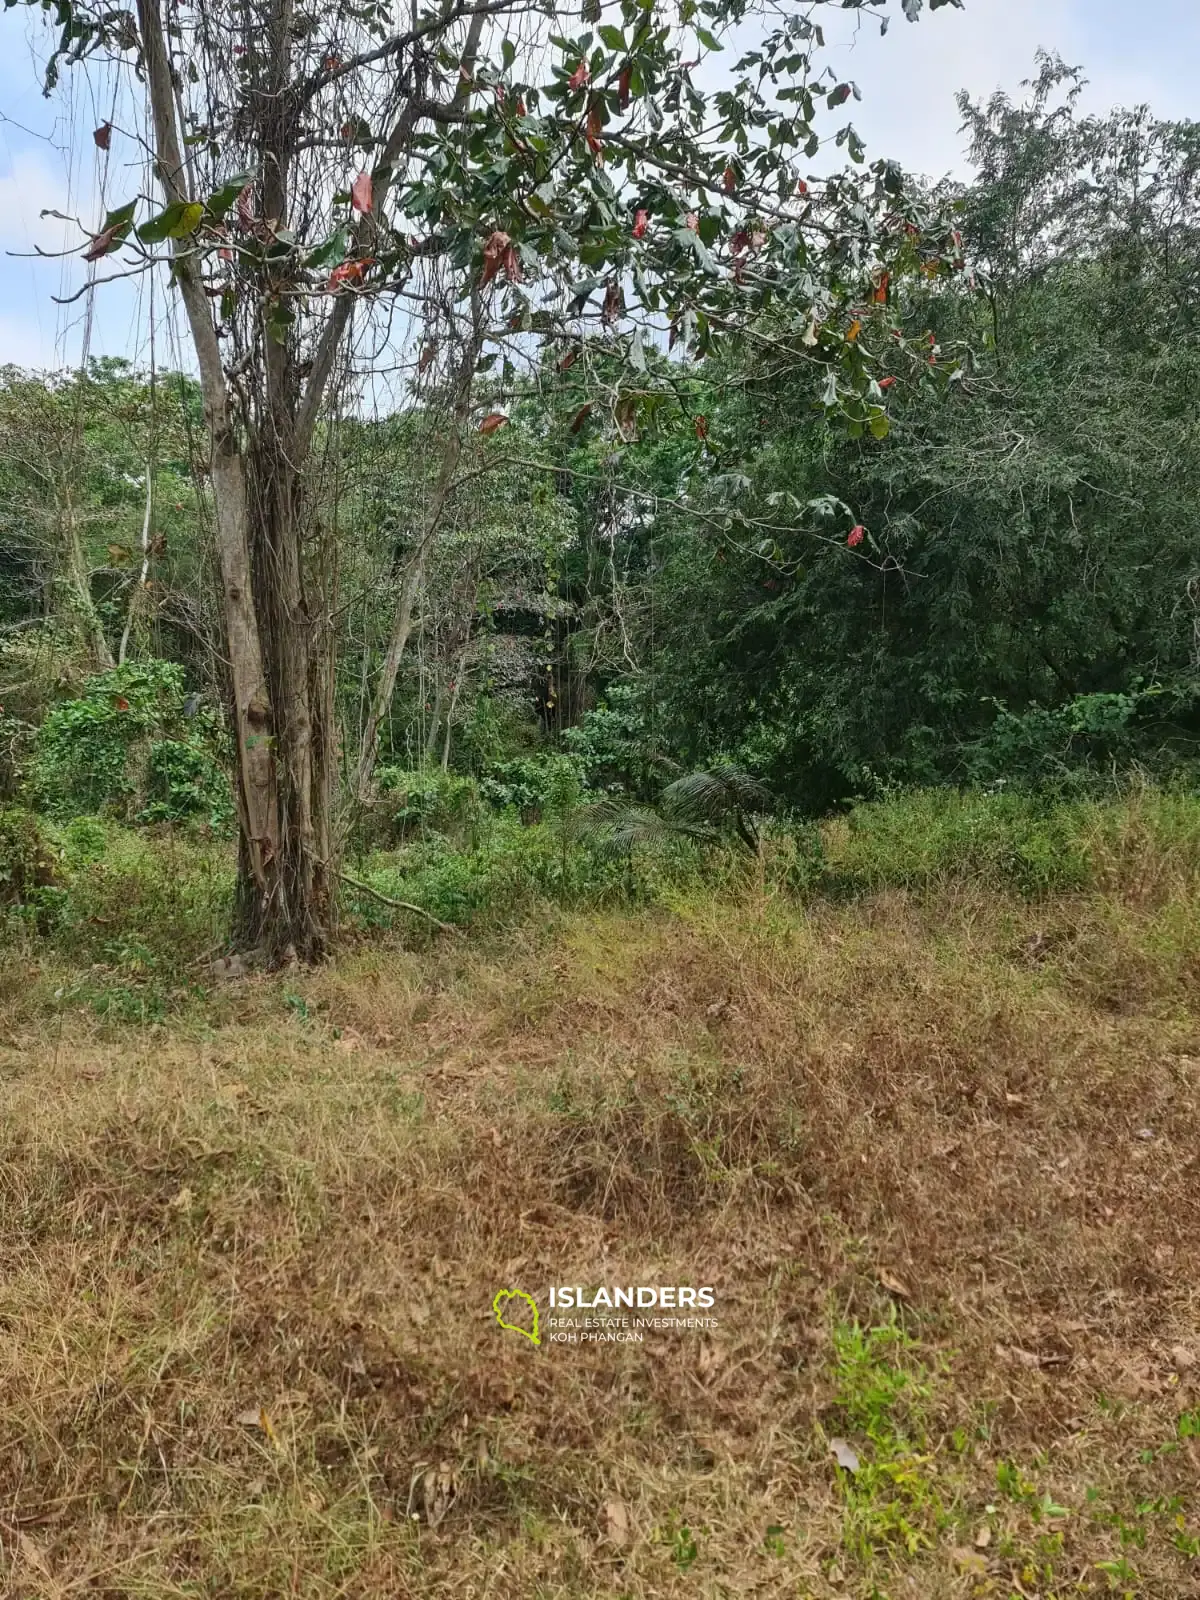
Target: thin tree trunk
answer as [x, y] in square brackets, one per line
[455, 687]
[257, 792]
[140, 585]
[415, 566]
[79, 587]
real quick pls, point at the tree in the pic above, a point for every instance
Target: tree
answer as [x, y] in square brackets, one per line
[513, 182]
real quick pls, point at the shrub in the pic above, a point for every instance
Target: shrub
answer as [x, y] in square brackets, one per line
[421, 802]
[532, 784]
[128, 748]
[28, 859]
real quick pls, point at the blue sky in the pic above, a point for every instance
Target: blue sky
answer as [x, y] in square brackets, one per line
[1144, 51]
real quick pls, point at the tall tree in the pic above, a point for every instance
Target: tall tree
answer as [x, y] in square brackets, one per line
[315, 161]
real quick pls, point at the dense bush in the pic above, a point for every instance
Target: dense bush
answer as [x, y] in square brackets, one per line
[133, 746]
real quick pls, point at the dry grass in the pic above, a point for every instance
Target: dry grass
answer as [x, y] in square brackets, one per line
[247, 1263]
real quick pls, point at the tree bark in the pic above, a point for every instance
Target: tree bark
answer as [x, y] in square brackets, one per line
[253, 722]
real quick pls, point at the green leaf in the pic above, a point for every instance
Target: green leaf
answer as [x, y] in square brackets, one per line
[220, 201]
[329, 254]
[159, 228]
[707, 39]
[613, 37]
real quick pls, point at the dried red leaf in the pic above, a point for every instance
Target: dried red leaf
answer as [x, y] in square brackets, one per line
[493, 420]
[520, 105]
[613, 305]
[856, 536]
[700, 427]
[640, 223]
[120, 702]
[568, 361]
[495, 250]
[331, 63]
[729, 180]
[102, 243]
[427, 354]
[623, 83]
[360, 193]
[103, 136]
[740, 242]
[595, 143]
[880, 293]
[349, 272]
[245, 208]
[579, 77]
[580, 417]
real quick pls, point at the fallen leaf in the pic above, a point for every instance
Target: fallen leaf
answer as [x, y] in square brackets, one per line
[970, 1561]
[983, 1537]
[892, 1284]
[616, 1523]
[183, 1199]
[845, 1454]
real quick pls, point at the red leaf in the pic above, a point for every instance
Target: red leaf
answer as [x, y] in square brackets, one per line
[593, 129]
[886, 383]
[427, 355]
[102, 244]
[568, 361]
[700, 424]
[499, 94]
[623, 83]
[640, 223]
[225, 253]
[520, 105]
[245, 207]
[103, 136]
[120, 702]
[802, 187]
[840, 95]
[331, 63]
[580, 417]
[579, 77]
[360, 193]
[693, 221]
[495, 251]
[856, 536]
[729, 181]
[347, 130]
[493, 420]
[880, 293]
[349, 272]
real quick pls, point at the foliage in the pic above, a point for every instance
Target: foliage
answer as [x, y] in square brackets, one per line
[28, 858]
[132, 745]
[531, 784]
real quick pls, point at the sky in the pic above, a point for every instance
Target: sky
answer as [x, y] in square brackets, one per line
[1148, 51]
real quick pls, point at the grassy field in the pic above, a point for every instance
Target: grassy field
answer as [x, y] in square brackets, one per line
[934, 1146]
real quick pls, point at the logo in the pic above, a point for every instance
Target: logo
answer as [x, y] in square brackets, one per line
[501, 1304]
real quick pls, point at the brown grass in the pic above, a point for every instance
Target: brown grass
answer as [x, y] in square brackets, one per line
[247, 1263]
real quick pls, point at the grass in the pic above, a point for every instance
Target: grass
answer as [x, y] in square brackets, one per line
[934, 1147]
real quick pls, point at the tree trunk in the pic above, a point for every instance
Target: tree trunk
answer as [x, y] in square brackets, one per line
[415, 566]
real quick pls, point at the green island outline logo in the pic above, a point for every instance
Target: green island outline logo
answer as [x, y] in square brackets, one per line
[517, 1294]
